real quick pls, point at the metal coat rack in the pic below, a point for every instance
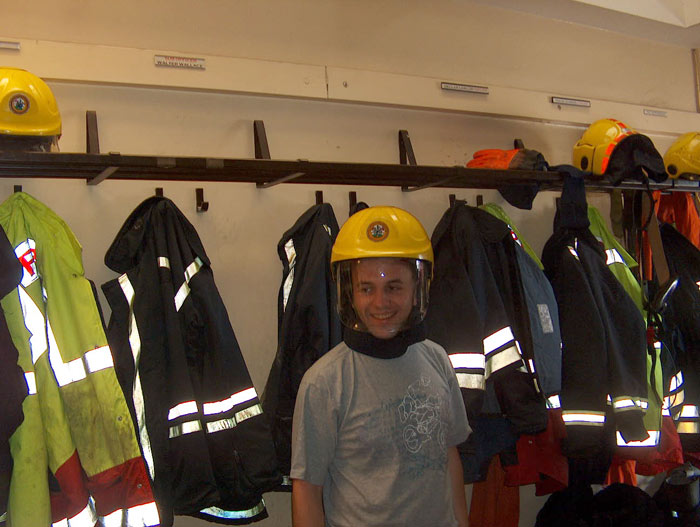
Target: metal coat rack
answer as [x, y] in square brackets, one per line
[265, 172]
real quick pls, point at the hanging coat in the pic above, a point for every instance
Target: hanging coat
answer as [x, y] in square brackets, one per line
[681, 320]
[541, 306]
[13, 388]
[603, 338]
[207, 446]
[308, 323]
[76, 423]
[472, 314]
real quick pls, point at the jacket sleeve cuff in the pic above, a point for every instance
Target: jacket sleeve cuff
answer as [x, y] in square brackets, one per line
[631, 426]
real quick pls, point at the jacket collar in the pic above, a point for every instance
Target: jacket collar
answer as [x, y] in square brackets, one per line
[367, 344]
[136, 233]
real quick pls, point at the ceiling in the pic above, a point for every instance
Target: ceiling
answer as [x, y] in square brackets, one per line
[674, 22]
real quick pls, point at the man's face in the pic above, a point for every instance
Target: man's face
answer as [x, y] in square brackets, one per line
[383, 294]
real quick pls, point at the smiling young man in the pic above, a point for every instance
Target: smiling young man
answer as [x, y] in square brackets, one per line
[377, 419]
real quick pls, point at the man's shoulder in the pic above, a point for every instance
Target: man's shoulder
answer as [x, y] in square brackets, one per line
[432, 352]
[430, 347]
[329, 363]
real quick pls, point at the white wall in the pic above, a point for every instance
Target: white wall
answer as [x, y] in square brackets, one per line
[457, 39]
[240, 231]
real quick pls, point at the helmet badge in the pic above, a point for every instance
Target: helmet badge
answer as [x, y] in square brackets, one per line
[19, 104]
[377, 231]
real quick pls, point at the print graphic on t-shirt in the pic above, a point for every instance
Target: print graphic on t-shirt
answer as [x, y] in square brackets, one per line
[420, 415]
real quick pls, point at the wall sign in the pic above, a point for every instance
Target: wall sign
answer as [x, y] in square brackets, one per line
[469, 88]
[571, 102]
[170, 61]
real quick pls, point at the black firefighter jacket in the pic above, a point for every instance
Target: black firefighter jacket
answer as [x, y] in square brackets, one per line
[681, 322]
[308, 323]
[207, 446]
[477, 313]
[604, 385]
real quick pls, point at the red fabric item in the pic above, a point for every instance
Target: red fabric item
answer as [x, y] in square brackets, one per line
[622, 471]
[492, 158]
[645, 250]
[669, 454]
[493, 503]
[678, 209]
[73, 496]
[122, 487]
[540, 460]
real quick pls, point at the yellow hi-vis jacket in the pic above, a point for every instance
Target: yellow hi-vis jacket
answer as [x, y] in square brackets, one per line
[77, 424]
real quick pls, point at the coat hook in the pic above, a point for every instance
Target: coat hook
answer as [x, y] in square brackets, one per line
[406, 154]
[202, 206]
[92, 138]
[352, 199]
[18, 188]
[159, 192]
[319, 197]
[452, 200]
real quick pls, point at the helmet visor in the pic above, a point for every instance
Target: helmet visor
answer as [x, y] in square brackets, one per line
[382, 296]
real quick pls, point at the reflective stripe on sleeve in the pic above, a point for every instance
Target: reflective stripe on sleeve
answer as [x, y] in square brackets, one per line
[690, 411]
[692, 427]
[498, 360]
[85, 518]
[573, 252]
[30, 377]
[232, 515]
[623, 404]
[471, 381]
[613, 256]
[184, 290]
[249, 412]
[188, 427]
[468, 360]
[531, 365]
[553, 401]
[291, 253]
[163, 262]
[689, 422]
[220, 407]
[221, 424]
[652, 440]
[583, 418]
[676, 382]
[99, 359]
[498, 339]
[186, 408]
[145, 515]
[34, 322]
[137, 390]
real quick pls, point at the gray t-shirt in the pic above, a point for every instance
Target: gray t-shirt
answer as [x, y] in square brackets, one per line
[375, 432]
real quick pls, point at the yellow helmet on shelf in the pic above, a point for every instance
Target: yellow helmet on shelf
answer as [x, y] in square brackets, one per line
[27, 105]
[682, 159]
[592, 152]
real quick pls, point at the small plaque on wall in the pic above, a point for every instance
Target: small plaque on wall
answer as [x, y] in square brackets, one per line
[170, 61]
